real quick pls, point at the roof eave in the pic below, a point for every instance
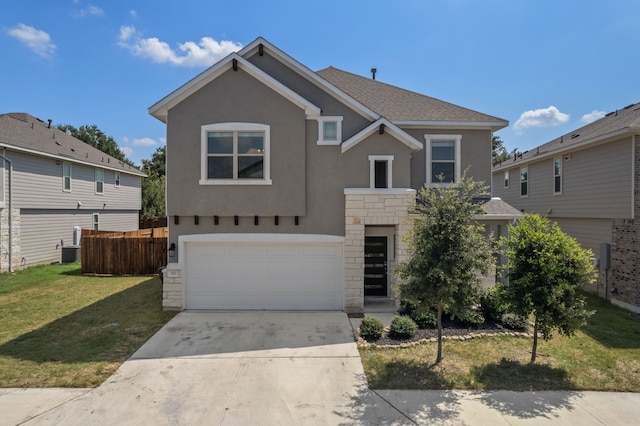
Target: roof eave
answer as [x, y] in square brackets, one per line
[441, 124]
[394, 130]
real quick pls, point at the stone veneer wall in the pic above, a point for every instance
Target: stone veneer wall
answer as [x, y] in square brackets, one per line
[172, 288]
[625, 249]
[4, 239]
[371, 207]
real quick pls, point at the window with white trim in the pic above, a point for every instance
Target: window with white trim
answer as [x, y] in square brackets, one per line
[330, 130]
[506, 179]
[443, 159]
[557, 176]
[380, 171]
[96, 221]
[524, 181]
[66, 177]
[235, 153]
[116, 179]
[99, 181]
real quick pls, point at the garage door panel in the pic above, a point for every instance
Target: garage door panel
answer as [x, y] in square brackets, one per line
[264, 276]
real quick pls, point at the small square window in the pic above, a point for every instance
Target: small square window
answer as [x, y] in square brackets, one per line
[329, 130]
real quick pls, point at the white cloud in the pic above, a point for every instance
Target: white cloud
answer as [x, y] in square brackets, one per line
[90, 10]
[133, 13]
[37, 40]
[127, 151]
[189, 54]
[544, 117]
[144, 142]
[592, 116]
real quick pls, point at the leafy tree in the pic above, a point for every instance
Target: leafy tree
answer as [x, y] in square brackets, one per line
[546, 267]
[499, 152]
[95, 137]
[447, 250]
[153, 187]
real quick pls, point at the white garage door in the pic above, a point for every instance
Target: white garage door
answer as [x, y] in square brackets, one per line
[263, 271]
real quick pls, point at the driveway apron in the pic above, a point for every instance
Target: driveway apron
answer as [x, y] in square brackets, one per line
[236, 368]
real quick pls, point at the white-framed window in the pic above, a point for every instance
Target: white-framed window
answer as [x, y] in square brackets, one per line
[116, 179]
[380, 171]
[443, 159]
[557, 176]
[99, 181]
[66, 177]
[96, 221]
[330, 130]
[506, 179]
[524, 181]
[235, 154]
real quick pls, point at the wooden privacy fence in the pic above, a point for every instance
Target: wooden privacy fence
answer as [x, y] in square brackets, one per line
[123, 253]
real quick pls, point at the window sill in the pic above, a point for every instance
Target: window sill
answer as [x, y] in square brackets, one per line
[235, 182]
[335, 143]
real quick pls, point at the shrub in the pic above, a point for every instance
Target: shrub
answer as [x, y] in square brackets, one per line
[371, 328]
[424, 318]
[491, 306]
[513, 321]
[407, 307]
[403, 327]
[471, 318]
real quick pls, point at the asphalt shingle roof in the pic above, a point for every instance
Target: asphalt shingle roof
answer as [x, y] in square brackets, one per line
[398, 104]
[23, 130]
[496, 206]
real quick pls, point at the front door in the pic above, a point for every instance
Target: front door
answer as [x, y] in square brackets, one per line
[375, 266]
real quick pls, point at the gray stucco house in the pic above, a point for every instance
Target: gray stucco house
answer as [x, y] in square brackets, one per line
[588, 181]
[50, 184]
[291, 189]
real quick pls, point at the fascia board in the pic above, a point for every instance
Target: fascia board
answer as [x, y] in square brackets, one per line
[395, 131]
[479, 125]
[160, 109]
[311, 76]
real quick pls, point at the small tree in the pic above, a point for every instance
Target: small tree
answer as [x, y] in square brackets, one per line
[546, 267]
[447, 251]
[153, 187]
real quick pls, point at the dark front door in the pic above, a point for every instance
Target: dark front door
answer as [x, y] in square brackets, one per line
[375, 266]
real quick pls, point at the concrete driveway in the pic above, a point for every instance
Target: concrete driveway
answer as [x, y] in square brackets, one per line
[236, 368]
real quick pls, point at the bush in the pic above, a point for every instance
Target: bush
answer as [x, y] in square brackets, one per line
[407, 307]
[424, 318]
[371, 328]
[514, 321]
[491, 306]
[471, 318]
[403, 327]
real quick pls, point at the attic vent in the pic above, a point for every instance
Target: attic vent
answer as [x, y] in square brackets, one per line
[606, 115]
[58, 143]
[373, 73]
[73, 150]
[575, 135]
[261, 49]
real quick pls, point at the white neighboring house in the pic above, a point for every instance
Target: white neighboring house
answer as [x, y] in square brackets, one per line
[52, 183]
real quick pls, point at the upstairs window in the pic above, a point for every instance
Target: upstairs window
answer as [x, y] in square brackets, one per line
[99, 181]
[443, 159]
[506, 179]
[524, 181]
[116, 180]
[66, 177]
[380, 171]
[235, 153]
[557, 175]
[329, 130]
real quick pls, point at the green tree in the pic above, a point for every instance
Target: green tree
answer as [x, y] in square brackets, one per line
[153, 186]
[499, 151]
[546, 267]
[447, 251]
[95, 137]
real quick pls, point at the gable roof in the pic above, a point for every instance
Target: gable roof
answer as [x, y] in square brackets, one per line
[393, 130]
[405, 107]
[26, 133]
[496, 208]
[616, 124]
[161, 108]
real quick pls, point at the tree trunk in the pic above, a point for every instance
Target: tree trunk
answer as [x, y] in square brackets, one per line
[535, 340]
[439, 357]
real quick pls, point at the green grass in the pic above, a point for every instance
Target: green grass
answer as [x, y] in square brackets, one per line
[63, 329]
[604, 355]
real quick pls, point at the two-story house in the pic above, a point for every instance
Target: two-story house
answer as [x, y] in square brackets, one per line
[588, 181]
[52, 184]
[291, 189]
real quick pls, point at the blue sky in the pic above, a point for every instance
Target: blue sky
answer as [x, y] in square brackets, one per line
[547, 66]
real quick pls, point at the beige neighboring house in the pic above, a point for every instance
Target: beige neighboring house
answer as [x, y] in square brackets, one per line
[588, 181]
[291, 189]
[52, 184]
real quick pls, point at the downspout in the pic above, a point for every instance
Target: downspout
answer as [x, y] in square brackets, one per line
[10, 208]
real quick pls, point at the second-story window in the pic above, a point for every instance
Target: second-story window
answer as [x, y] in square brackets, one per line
[380, 171]
[329, 130]
[557, 175]
[99, 181]
[66, 177]
[506, 179]
[524, 181]
[116, 179]
[443, 159]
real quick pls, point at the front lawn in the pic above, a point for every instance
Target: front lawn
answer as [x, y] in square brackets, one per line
[604, 355]
[63, 329]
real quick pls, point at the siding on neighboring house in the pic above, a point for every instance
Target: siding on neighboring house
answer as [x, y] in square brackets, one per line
[596, 183]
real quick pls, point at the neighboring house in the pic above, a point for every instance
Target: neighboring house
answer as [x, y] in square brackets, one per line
[291, 189]
[588, 181]
[52, 183]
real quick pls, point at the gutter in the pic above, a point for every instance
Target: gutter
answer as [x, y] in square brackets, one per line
[2, 156]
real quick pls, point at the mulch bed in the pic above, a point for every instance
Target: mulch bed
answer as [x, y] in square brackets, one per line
[451, 330]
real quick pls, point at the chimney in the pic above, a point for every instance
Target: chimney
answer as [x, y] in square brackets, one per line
[373, 73]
